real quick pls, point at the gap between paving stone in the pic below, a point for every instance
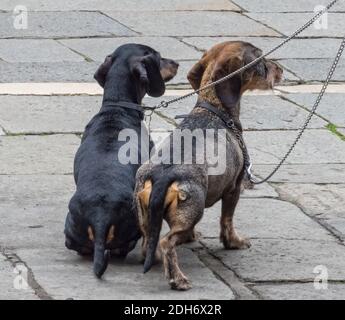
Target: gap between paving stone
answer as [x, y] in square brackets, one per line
[15, 260]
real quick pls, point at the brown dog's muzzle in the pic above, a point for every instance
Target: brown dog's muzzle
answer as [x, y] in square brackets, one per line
[274, 73]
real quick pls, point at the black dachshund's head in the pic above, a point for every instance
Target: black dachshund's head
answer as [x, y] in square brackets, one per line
[145, 67]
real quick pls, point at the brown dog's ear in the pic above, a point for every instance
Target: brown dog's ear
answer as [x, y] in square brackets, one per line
[103, 69]
[147, 69]
[229, 91]
[195, 74]
[258, 68]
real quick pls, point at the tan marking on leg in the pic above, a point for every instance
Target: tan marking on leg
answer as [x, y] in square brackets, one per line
[111, 234]
[90, 233]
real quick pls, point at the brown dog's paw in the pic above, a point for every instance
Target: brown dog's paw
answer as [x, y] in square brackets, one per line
[194, 236]
[236, 242]
[181, 284]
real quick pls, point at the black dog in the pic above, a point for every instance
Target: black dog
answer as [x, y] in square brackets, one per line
[101, 218]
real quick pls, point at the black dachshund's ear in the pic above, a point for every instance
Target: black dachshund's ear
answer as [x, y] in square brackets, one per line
[102, 71]
[147, 69]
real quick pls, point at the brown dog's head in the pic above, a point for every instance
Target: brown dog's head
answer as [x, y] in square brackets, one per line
[225, 58]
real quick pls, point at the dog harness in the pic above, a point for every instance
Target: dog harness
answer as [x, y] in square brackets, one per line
[230, 125]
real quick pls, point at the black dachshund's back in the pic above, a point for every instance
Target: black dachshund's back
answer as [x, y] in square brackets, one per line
[101, 216]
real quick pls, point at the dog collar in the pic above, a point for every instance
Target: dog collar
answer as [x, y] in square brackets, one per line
[125, 104]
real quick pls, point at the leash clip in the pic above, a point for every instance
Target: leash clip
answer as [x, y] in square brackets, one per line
[230, 124]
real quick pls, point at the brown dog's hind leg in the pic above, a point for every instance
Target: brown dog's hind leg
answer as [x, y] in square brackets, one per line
[168, 243]
[181, 215]
[228, 234]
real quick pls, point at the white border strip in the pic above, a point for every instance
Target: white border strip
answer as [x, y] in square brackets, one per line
[58, 88]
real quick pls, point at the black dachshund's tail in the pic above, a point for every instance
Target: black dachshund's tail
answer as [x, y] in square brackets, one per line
[156, 213]
[101, 255]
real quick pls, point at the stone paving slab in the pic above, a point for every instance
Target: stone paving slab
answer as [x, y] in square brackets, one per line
[322, 48]
[37, 154]
[47, 72]
[54, 114]
[271, 112]
[300, 291]
[63, 25]
[326, 201]
[7, 276]
[315, 147]
[189, 24]
[65, 275]
[37, 238]
[68, 72]
[265, 219]
[304, 173]
[98, 49]
[315, 69]
[258, 112]
[24, 50]
[47, 114]
[330, 107]
[285, 6]
[260, 191]
[288, 23]
[123, 5]
[283, 260]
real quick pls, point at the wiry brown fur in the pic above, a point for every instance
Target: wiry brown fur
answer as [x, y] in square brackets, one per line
[180, 192]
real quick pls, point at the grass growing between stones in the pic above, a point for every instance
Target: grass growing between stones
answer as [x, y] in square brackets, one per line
[333, 128]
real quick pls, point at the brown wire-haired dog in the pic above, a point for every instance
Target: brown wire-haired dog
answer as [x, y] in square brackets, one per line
[180, 192]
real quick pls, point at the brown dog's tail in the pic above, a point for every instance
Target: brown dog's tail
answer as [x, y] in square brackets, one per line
[156, 213]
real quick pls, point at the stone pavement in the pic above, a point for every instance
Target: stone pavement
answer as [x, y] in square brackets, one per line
[296, 222]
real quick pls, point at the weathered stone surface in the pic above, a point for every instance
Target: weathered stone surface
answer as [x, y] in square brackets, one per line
[295, 49]
[33, 50]
[259, 191]
[284, 6]
[174, 23]
[287, 23]
[330, 107]
[257, 112]
[47, 114]
[37, 237]
[326, 201]
[271, 112]
[47, 72]
[37, 154]
[314, 69]
[65, 275]
[281, 259]
[123, 5]
[315, 147]
[265, 219]
[98, 49]
[304, 173]
[62, 25]
[2, 132]
[7, 276]
[54, 114]
[300, 291]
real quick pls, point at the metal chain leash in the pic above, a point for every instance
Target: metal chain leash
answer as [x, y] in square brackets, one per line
[166, 103]
[312, 112]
